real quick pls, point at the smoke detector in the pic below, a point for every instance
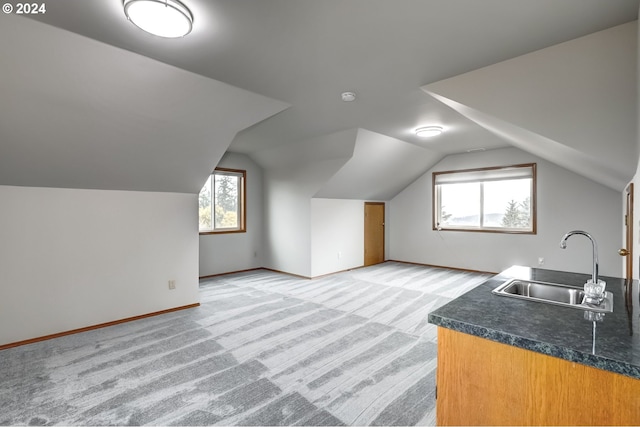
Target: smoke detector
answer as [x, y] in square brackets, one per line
[348, 96]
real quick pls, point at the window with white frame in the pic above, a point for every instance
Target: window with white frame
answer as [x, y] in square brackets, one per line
[494, 199]
[221, 202]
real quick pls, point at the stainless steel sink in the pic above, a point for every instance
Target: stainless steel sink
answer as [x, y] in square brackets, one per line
[551, 293]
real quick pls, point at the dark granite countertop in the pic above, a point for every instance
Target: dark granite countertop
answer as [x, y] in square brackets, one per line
[614, 344]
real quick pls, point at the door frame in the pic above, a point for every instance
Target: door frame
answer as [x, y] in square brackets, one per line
[384, 209]
[628, 226]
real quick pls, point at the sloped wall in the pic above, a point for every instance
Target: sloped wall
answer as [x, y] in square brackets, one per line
[380, 167]
[573, 99]
[78, 113]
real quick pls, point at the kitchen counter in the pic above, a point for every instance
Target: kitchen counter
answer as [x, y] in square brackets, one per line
[563, 332]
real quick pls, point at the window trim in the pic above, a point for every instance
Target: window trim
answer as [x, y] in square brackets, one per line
[534, 210]
[243, 204]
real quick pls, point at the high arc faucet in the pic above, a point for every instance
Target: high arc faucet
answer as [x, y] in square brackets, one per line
[563, 245]
[594, 288]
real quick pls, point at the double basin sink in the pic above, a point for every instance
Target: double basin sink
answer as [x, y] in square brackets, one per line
[552, 293]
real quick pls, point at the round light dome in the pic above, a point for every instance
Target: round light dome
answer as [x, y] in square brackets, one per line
[429, 131]
[164, 18]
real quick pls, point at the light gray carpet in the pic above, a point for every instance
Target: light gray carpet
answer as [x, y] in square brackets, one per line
[264, 348]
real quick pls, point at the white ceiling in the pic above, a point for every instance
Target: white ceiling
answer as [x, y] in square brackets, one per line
[304, 53]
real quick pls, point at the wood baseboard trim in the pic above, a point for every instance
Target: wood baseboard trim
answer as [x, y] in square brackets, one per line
[210, 276]
[252, 269]
[316, 277]
[98, 326]
[443, 266]
[289, 274]
[342, 271]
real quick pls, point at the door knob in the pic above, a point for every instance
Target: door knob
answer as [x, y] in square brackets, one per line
[623, 252]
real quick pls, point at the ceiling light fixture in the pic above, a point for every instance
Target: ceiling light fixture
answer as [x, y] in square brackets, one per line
[348, 96]
[429, 131]
[164, 18]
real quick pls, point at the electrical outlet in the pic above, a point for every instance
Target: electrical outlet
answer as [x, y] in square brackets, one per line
[339, 254]
[172, 284]
[540, 261]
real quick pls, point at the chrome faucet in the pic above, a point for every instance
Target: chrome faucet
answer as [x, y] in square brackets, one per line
[563, 245]
[594, 288]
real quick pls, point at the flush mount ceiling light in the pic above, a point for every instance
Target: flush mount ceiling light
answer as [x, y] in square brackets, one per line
[348, 96]
[429, 131]
[164, 18]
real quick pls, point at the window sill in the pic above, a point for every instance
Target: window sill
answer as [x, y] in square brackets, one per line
[204, 233]
[489, 230]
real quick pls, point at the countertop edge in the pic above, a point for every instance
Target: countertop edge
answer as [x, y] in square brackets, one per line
[548, 349]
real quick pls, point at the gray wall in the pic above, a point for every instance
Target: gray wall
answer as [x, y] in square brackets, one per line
[222, 253]
[337, 235]
[288, 192]
[566, 201]
[75, 258]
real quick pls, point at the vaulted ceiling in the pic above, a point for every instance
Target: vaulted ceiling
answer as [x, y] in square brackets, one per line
[90, 101]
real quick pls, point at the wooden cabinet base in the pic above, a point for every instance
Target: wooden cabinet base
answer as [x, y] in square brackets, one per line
[481, 382]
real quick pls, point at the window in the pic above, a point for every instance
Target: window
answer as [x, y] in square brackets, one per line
[222, 202]
[496, 199]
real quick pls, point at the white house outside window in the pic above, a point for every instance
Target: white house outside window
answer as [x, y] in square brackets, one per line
[222, 202]
[495, 199]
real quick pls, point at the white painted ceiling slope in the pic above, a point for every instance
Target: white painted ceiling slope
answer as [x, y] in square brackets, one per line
[76, 113]
[302, 53]
[574, 103]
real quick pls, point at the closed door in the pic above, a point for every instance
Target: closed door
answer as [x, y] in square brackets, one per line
[373, 233]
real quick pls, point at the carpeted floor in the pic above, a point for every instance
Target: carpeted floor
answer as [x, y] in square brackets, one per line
[264, 348]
